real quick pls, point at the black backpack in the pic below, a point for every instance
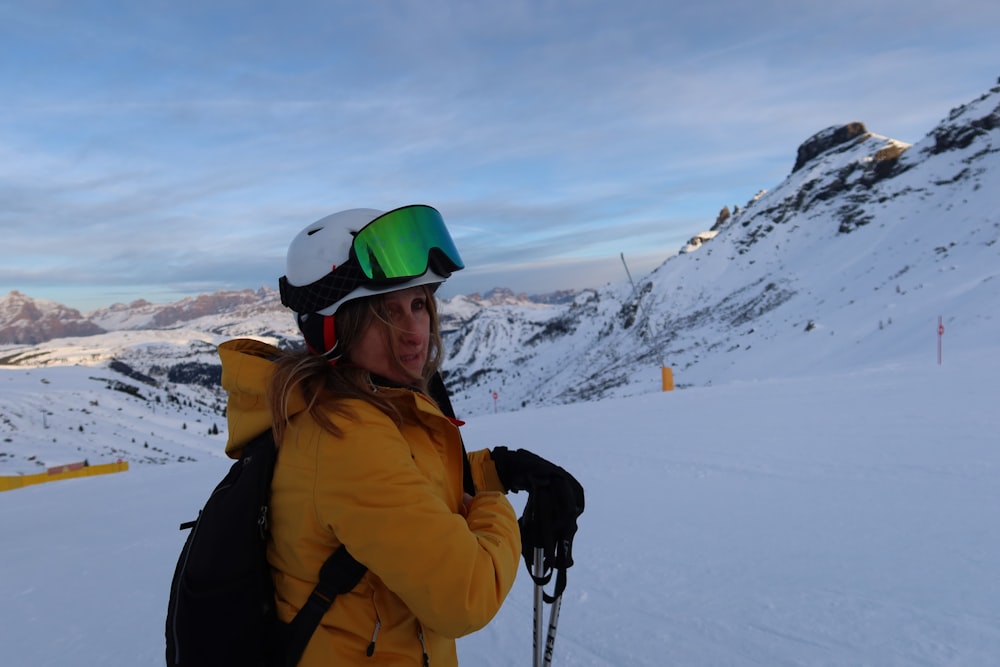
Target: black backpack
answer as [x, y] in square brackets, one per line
[222, 608]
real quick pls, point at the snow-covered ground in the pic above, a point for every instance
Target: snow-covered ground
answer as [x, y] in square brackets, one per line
[837, 519]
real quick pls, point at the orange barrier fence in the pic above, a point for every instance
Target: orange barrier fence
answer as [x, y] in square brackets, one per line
[62, 472]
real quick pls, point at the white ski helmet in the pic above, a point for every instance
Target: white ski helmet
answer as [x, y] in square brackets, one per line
[322, 273]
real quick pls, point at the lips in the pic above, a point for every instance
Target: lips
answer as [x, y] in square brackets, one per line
[412, 359]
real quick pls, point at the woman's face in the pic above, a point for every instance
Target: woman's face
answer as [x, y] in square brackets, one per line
[410, 324]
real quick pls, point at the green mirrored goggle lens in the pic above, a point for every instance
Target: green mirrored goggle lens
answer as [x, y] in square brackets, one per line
[401, 243]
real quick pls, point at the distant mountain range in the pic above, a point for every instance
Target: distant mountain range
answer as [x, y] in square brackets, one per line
[852, 257]
[28, 321]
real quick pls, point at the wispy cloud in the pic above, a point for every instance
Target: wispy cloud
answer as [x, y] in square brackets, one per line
[183, 143]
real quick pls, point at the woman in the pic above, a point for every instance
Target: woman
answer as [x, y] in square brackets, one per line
[366, 458]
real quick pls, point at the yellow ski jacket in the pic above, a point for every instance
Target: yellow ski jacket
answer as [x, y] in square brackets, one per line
[393, 496]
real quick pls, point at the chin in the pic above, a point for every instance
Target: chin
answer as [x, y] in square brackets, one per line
[405, 375]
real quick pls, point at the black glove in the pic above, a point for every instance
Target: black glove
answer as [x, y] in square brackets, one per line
[521, 470]
[555, 500]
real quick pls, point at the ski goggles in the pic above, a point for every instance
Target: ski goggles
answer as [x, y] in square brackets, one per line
[404, 243]
[397, 246]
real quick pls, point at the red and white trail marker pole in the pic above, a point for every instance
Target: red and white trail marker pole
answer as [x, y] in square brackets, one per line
[495, 397]
[940, 335]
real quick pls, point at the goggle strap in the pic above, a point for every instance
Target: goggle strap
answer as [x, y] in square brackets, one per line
[440, 263]
[317, 295]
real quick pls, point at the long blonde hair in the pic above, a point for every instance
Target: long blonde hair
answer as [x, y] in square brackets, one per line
[325, 384]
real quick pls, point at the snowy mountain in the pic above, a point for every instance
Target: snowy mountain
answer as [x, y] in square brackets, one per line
[24, 320]
[144, 315]
[855, 255]
[865, 244]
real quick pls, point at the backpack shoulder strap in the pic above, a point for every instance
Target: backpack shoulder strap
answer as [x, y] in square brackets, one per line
[439, 392]
[339, 574]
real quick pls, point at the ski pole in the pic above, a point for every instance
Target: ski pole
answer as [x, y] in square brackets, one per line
[551, 639]
[538, 570]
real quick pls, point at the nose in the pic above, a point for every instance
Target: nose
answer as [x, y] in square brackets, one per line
[409, 327]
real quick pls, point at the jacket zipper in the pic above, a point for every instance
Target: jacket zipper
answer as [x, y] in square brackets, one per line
[371, 646]
[423, 645]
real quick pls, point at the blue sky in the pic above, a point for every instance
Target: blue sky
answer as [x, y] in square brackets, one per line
[156, 149]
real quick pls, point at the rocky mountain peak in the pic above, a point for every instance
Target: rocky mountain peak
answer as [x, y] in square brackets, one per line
[826, 139]
[27, 321]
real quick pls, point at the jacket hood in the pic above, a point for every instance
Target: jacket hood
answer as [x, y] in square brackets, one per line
[247, 367]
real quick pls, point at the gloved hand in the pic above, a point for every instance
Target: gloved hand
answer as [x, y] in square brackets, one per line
[521, 470]
[548, 523]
